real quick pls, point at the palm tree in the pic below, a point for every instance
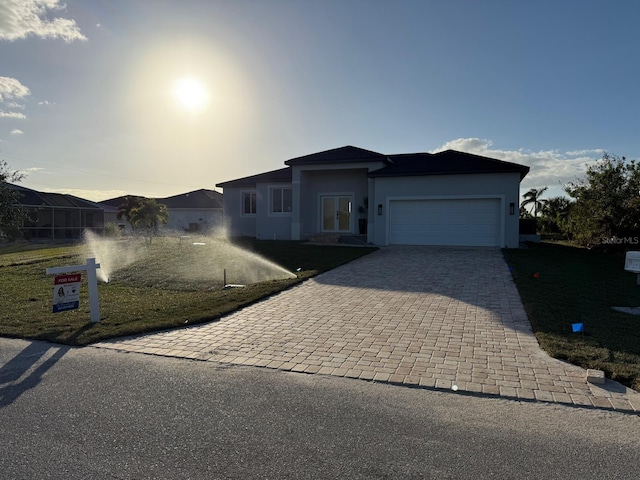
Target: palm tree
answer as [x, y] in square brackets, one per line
[556, 207]
[125, 208]
[532, 197]
[149, 215]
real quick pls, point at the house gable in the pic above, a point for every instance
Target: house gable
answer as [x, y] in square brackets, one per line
[336, 156]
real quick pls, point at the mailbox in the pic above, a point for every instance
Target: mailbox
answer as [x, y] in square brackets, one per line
[632, 262]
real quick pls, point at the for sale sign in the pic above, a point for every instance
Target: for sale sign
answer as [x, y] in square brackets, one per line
[66, 292]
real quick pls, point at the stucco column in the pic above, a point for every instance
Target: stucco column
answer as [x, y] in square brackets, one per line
[371, 214]
[296, 225]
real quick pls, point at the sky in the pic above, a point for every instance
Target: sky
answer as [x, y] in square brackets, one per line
[102, 98]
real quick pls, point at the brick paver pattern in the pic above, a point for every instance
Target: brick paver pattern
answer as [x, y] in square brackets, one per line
[437, 317]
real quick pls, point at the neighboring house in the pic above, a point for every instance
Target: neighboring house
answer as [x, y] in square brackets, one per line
[446, 198]
[200, 210]
[111, 214]
[58, 216]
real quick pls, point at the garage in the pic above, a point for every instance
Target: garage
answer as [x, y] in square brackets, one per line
[464, 222]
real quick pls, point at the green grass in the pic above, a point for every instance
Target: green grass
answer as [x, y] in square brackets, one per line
[144, 297]
[576, 285]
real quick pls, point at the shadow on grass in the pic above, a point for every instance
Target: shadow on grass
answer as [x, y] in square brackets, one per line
[12, 383]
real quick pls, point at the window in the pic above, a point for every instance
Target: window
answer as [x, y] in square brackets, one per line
[281, 200]
[248, 203]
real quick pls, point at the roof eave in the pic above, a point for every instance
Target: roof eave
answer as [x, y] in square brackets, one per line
[523, 172]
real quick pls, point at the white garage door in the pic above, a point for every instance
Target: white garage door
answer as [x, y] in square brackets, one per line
[472, 222]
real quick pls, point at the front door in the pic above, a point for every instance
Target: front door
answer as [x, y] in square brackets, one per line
[336, 213]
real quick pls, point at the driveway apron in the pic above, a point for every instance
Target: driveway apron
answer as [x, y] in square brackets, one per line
[435, 317]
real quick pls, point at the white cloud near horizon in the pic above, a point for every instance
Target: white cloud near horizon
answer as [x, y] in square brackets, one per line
[15, 131]
[550, 168]
[11, 90]
[23, 18]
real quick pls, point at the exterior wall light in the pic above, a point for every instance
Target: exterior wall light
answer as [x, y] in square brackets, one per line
[379, 209]
[512, 208]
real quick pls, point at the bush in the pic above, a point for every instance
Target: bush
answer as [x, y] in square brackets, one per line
[111, 230]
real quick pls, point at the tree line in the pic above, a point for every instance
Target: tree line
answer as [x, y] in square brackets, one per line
[601, 209]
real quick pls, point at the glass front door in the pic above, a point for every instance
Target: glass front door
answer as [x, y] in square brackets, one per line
[336, 214]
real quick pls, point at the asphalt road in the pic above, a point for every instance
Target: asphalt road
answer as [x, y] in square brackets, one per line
[89, 413]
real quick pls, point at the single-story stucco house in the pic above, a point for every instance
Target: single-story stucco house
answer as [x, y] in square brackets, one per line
[196, 211]
[445, 198]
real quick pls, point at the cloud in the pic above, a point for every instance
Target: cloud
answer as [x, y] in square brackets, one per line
[547, 167]
[580, 153]
[24, 18]
[10, 90]
[15, 131]
[12, 115]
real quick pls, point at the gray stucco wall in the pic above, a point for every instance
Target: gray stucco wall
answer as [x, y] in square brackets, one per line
[263, 225]
[504, 185]
[235, 222]
[207, 219]
[271, 226]
[351, 182]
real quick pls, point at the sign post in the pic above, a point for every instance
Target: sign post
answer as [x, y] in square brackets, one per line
[92, 282]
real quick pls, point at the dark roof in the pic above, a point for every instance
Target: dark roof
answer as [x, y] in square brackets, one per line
[34, 198]
[117, 201]
[202, 198]
[448, 162]
[281, 175]
[346, 154]
[197, 199]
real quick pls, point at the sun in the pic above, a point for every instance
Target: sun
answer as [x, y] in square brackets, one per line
[191, 94]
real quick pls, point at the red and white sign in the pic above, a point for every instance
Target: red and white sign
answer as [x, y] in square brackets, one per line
[66, 292]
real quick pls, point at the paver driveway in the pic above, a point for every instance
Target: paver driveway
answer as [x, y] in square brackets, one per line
[430, 316]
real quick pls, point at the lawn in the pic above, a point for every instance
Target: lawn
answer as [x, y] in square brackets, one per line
[170, 283]
[173, 283]
[576, 285]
